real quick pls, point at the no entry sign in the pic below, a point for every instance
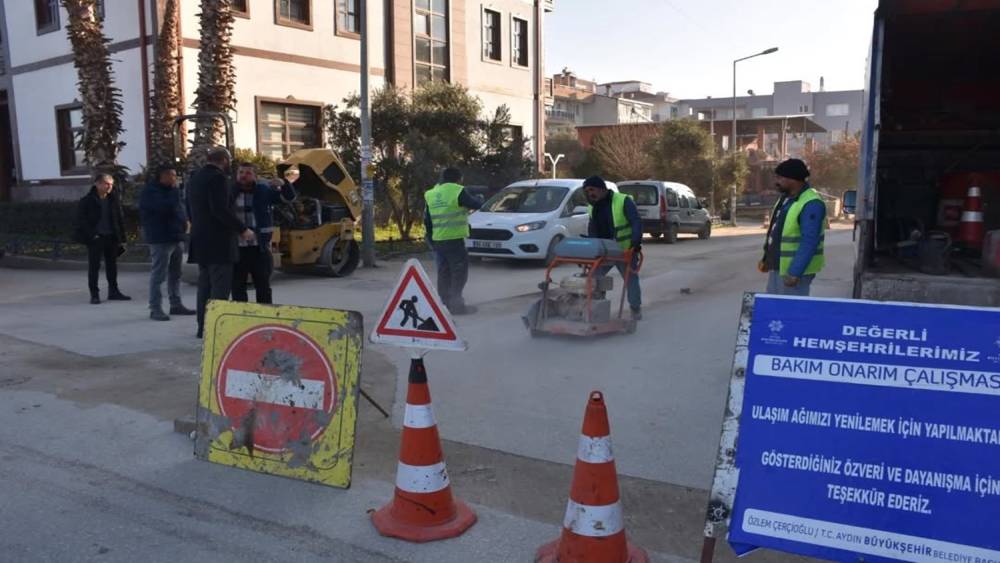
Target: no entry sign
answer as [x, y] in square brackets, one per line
[279, 390]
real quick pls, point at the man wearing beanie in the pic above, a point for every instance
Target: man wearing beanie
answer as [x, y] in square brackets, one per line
[793, 251]
[614, 216]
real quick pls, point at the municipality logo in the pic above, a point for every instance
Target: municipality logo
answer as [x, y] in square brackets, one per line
[775, 327]
[995, 358]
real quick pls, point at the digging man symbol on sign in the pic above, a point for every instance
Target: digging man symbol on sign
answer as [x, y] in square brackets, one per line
[409, 308]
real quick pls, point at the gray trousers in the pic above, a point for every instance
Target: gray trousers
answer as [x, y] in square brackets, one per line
[452, 260]
[167, 261]
[215, 281]
[776, 285]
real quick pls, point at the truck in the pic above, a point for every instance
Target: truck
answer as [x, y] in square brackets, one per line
[931, 134]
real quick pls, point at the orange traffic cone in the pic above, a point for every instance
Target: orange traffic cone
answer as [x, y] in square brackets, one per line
[594, 528]
[970, 228]
[423, 508]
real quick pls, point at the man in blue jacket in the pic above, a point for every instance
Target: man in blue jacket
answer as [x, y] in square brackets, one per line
[164, 224]
[794, 249]
[253, 203]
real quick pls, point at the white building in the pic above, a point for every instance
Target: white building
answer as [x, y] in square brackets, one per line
[292, 57]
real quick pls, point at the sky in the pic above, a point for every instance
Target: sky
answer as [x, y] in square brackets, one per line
[687, 47]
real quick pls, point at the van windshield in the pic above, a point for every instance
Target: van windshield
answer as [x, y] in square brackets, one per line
[530, 199]
[643, 194]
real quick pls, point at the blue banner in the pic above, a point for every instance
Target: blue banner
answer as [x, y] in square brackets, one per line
[870, 431]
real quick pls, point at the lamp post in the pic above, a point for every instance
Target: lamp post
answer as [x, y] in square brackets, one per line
[732, 140]
[554, 161]
[367, 185]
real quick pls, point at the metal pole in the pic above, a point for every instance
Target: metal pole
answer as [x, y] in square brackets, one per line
[367, 186]
[732, 149]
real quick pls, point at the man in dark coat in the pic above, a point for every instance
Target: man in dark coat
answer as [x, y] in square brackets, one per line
[100, 225]
[164, 226]
[214, 231]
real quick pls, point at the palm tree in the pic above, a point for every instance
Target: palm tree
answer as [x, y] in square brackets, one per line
[216, 76]
[101, 100]
[166, 96]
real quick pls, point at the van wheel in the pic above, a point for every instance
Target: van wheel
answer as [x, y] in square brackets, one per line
[670, 237]
[550, 255]
[705, 231]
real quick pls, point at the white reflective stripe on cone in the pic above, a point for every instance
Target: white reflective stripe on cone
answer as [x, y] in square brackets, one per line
[972, 216]
[593, 521]
[421, 478]
[974, 191]
[595, 450]
[418, 416]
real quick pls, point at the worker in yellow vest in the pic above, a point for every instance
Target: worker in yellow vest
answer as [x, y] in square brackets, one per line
[793, 251]
[613, 215]
[446, 222]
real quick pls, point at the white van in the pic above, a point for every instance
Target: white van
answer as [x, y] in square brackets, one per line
[526, 220]
[668, 209]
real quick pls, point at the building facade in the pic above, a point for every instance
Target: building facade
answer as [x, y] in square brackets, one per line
[292, 58]
[572, 102]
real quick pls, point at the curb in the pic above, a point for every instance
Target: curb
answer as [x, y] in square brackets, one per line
[18, 262]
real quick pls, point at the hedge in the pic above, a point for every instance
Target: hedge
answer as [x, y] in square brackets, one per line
[52, 220]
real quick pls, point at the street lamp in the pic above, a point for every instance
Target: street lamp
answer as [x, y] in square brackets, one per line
[554, 162]
[732, 139]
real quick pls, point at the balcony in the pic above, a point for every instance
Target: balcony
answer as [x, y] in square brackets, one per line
[558, 114]
[550, 5]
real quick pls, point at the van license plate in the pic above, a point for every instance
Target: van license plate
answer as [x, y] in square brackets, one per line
[486, 244]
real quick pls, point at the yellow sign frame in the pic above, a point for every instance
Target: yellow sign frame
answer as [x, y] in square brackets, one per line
[328, 458]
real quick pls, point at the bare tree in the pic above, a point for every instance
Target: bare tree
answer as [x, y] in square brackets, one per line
[166, 95]
[622, 152]
[101, 100]
[216, 76]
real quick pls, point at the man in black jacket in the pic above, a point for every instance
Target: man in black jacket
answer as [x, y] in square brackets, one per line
[214, 231]
[100, 225]
[164, 224]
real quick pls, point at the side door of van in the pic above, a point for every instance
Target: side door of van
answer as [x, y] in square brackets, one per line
[674, 211]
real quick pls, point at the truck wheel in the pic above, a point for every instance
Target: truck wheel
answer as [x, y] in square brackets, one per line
[705, 231]
[339, 259]
[670, 237]
[551, 254]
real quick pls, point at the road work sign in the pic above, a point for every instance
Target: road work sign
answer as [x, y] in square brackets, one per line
[414, 317]
[279, 390]
[867, 431]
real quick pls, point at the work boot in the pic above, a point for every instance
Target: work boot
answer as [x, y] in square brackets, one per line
[637, 314]
[200, 334]
[95, 299]
[116, 295]
[158, 316]
[180, 309]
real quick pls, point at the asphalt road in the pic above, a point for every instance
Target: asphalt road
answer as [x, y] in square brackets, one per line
[90, 470]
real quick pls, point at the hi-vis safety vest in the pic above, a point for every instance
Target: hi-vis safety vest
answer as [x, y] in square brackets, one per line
[623, 230]
[449, 220]
[791, 236]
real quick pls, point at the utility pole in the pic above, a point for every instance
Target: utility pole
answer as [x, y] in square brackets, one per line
[367, 185]
[733, 144]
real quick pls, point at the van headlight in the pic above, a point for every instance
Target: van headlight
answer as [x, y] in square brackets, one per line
[527, 227]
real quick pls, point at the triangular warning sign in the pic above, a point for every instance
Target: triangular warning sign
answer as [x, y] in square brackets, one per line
[414, 317]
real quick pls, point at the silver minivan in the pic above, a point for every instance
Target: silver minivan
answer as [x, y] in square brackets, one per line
[668, 209]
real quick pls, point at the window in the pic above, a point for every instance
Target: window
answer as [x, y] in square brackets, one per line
[430, 26]
[297, 13]
[759, 112]
[692, 202]
[685, 204]
[804, 109]
[46, 16]
[285, 128]
[512, 134]
[349, 17]
[69, 128]
[519, 42]
[99, 10]
[837, 110]
[672, 199]
[491, 35]
[240, 8]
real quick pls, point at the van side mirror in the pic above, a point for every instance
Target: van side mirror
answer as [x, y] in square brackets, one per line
[581, 210]
[850, 202]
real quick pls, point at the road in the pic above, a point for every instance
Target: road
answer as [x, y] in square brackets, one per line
[90, 394]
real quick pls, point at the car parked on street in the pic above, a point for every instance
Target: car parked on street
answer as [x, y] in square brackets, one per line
[668, 209]
[526, 220]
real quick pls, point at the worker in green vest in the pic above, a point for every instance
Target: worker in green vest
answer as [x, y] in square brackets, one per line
[613, 215]
[446, 222]
[793, 251]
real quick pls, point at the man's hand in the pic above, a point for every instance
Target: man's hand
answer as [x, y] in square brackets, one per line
[791, 281]
[187, 228]
[276, 183]
[762, 267]
[248, 235]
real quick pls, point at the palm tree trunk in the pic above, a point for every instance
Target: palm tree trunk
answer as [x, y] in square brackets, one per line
[216, 76]
[165, 99]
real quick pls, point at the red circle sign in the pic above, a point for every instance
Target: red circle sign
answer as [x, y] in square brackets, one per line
[278, 382]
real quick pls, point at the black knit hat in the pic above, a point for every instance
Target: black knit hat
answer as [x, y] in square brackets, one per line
[595, 182]
[794, 169]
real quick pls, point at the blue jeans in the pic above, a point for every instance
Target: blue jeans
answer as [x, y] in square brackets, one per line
[167, 260]
[776, 285]
[633, 289]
